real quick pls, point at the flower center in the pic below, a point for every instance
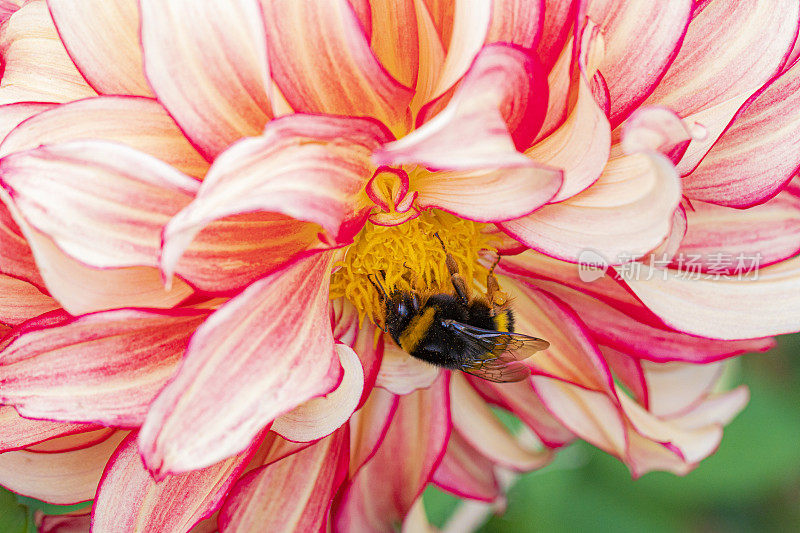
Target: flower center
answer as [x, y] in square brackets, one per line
[408, 257]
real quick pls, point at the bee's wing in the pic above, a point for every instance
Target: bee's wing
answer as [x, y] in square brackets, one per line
[496, 355]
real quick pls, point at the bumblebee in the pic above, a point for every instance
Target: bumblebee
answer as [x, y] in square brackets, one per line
[455, 331]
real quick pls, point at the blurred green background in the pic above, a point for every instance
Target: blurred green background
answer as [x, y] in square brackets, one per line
[751, 484]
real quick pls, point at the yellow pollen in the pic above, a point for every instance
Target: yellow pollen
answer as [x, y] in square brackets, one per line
[410, 258]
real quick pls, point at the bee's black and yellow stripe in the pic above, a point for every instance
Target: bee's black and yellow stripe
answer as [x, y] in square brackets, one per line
[503, 321]
[416, 329]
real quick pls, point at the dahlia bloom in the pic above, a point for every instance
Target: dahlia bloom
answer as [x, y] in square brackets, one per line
[195, 195]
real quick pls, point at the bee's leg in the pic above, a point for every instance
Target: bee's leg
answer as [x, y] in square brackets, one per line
[497, 299]
[455, 277]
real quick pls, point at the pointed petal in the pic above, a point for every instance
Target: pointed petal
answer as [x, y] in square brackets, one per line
[104, 368]
[60, 478]
[715, 69]
[521, 399]
[718, 237]
[140, 123]
[757, 154]
[266, 351]
[674, 388]
[102, 38]
[128, 498]
[103, 204]
[402, 374]
[319, 417]
[293, 494]
[476, 423]
[641, 39]
[17, 432]
[220, 92]
[327, 159]
[384, 490]
[465, 472]
[713, 307]
[637, 334]
[341, 77]
[36, 65]
[368, 427]
[20, 301]
[496, 110]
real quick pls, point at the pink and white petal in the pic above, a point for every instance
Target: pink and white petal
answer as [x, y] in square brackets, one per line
[694, 444]
[310, 168]
[236, 250]
[520, 398]
[715, 70]
[102, 203]
[17, 432]
[573, 355]
[713, 307]
[141, 123]
[102, 368]
[66, 523]
[319, 417]
[465, 472]
[102, 38]
[76, 441]
[8, 8]
[12, 114]
[416, 520]
[20, 301]
[497, 109]
[476, 423]
[755, 157]
[368, 427]
[645, 456]
[383, 490]
[37, 68]
[361, 338]
[512, 192]
[718, 237]
[580, 146]
[463, 27]
[81, 289]
[402, 374]
[339, 75]
[221, 94]
[625, 214]
[128, 499]
[293, 494]
[60, 478]
[265, 351]
[591, 415]
[628, 372]
[716, 409]
[658, 129]
[641, 39]
[674, 388]
[637, 334]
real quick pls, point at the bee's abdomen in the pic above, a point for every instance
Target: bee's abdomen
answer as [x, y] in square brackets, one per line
[504, 321]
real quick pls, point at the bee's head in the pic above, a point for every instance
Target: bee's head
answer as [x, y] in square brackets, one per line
[401, 307]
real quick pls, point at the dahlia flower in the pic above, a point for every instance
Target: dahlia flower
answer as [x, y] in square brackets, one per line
[195, 195]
